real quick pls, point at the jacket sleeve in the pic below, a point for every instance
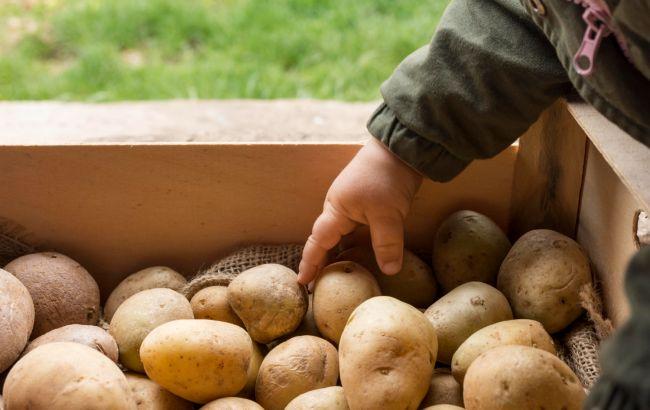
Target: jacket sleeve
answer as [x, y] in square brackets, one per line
[484, 79]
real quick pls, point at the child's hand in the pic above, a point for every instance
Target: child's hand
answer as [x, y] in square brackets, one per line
[376, 188]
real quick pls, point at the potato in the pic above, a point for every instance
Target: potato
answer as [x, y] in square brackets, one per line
[199, 360]
[269, 301]
[338, 290]
[64, 376]
[212, 303]
[468, 247]
[63, 291]
[387, 353]
[461, 312]
[443, 407]
[327, 398]
[542, 277]
[253, 369]
[509, 332]
[443, 389]
[92, 336]
[300, 364]
[16, 318]
[415, 284]
[514, 377]
[139, 315]
[232, 403]
[149, 278]
[148, 395]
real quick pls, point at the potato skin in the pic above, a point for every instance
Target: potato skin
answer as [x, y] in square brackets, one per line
[514, 377]
[300, 364]
[63, 291]
[415, 284]
[89, 379]
[148, 278]
[443, 389]
[149, 395]
[257, 356]
[338, 290]
[16, 318]
[461, 312]
[199, 360]
[468, 247]
[269, 300]
[443, 407]
[232, 403]
[542, 277]
[387, 353]
[212, 303]
[139, 315]
[522, 332]
[327, 398]
[92, 336]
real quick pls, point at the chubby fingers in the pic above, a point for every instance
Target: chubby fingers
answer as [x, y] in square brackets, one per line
[327, 231]
[387, 235]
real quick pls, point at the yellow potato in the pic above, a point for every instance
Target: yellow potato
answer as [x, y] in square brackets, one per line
[514, 377]
[199, 360]
[468, 247]
[387, 353]
[139, 315]
[149, 278]
[443, 389]
[92, 336]
[338, 290]
[269, 301]
[148, 395]
[443, 407]
[63, 291]
[253, 369]
[461, 312]
[212, 303]
[232, 403]
[300, 364]
[327, 398]
[542, 277]
[509, 332]
[415, 284]
[64, 376]
[16, 318]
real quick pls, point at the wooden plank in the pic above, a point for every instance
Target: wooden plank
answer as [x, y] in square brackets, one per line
[548, 174]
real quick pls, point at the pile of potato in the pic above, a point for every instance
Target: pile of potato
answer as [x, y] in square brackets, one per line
[361, 340]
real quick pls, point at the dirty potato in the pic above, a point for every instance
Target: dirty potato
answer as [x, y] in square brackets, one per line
[443, 389]
[16, 318]
[327, 398]
[149, 395]
[92, 336]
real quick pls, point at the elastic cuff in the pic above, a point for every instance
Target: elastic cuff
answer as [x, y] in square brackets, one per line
[425, 156]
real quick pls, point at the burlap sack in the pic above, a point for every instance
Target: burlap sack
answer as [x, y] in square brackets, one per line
[577, 346]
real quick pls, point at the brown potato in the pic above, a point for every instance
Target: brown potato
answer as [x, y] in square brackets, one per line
[139, 315]
[212, 303]
[232, 403]
[149, 278]
[443, 389]
[514, 377]
[542, 277]
[415, 284]
[522, 332]
[338, 290]
[16, 318]
[63, 291]
[387, 353]
[64, 376]
[199, 360]
[300, 364]
[468, 247]
[148, 395]
[461, 312]
[269, 301]
[327, 398]
[92, 336]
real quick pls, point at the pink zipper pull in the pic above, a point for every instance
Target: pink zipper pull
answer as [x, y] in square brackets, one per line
[597, 29]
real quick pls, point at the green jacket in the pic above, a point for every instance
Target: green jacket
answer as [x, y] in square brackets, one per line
[494, 65]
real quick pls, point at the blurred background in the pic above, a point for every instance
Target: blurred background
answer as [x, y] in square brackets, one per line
[110, 50]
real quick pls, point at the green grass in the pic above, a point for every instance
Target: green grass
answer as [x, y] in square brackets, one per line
[104, 50]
